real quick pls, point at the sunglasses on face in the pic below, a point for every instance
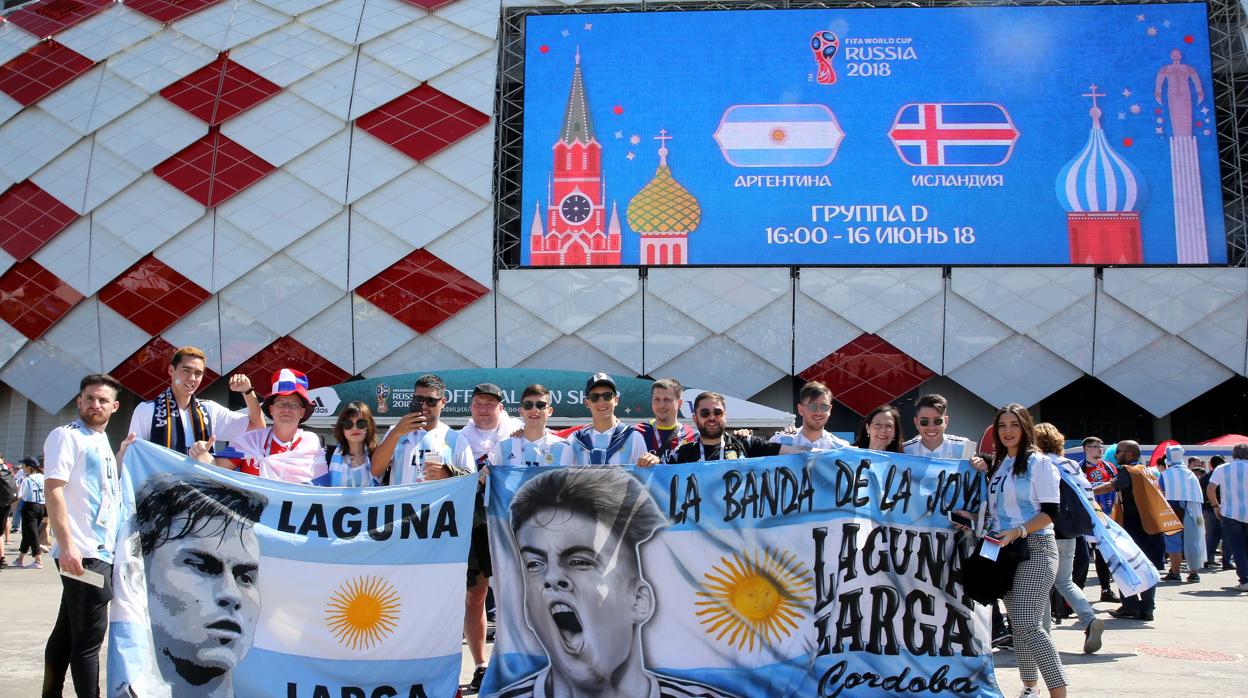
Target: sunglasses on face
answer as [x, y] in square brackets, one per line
[357, 424]
[595, 397]
[706, 412]
[820, 408]
[530, 404]
[938, 421]
[426, 401]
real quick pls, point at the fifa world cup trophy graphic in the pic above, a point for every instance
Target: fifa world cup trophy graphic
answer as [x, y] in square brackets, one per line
[824, 45]
[383, 398]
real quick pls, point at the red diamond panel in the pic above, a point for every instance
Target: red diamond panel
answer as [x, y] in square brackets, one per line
[32, 298]
[422, 122]
[288, 353]
[421, 291]
[37, 73]
[29, 217]
[868, 372]
[152, 295]
[219, 90]
[146, 372]
[213, 168]
[49, 17]
[165, 11]
[430, 4]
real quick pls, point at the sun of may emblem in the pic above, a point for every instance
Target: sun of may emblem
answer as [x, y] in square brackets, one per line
[754, 598]
[362, 612]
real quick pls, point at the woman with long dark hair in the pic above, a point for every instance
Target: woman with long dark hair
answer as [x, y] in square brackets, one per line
[881, 430]
[1023, 494]
[348, 462]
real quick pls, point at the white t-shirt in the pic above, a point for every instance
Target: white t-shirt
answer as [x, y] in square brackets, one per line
[956, 447]
[548, 450]
[576, 454]
[226, 425]
[481, 445]
[1015, 499]
[83, 459]
[826, 441]
[408, 463]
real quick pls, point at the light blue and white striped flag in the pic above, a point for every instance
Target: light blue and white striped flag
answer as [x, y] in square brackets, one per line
[252, 587]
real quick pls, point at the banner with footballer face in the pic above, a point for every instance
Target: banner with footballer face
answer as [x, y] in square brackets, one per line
[829, 574]
[227, 584]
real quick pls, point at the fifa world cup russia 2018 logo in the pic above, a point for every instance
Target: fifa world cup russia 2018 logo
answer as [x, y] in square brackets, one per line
[825, 44]
[383, 398]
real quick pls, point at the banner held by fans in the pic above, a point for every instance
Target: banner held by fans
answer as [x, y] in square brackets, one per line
[228, 584]
[828, 574]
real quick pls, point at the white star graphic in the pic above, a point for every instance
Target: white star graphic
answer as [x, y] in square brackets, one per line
[1126, 92]
[1136, 109]
[628, 410]
[1122, 116]
[1152, 31]
[565, 33]
[634, 139]
[630, 156]
[1139, 18]
[588, 26]
[1166, 24]
[1158, 129]
[619, 135]
[1204, 110]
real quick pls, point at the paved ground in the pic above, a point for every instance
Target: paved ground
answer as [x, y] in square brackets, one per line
[1196, 646]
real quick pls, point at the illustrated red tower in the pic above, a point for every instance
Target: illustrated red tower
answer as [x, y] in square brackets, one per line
[575, 230]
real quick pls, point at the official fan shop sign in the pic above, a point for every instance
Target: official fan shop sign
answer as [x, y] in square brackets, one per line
[825, 575]
[228, 584]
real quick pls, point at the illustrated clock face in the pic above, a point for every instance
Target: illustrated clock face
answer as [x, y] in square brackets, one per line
[575, 208]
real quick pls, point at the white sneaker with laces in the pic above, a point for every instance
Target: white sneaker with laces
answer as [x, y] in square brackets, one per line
[1030, 692]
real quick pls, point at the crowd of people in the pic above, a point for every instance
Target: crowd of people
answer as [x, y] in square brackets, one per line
[75, 487]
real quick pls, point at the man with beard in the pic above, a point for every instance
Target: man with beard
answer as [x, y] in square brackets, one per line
[663, 434]
[578, 531]
[711, 417]
[1153, 546]
[202, 561]
[83, 495]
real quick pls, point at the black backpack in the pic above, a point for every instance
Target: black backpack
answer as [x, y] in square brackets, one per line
[8, 486]
[1073, 519]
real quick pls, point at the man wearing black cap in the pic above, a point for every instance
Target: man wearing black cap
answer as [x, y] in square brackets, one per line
[606, 441]
[478, 441]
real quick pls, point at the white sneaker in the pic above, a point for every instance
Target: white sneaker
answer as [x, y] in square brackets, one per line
[1030, 692]
[1243, 587]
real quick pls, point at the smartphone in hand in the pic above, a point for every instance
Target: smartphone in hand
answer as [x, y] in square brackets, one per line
[959, 519]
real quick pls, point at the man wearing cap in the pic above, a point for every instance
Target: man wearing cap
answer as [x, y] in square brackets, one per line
[284, 451]
[479, 442]
[606, 441]
[176, 418]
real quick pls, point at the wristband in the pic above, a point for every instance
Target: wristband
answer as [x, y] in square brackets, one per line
[250, 391]
[1023, 531]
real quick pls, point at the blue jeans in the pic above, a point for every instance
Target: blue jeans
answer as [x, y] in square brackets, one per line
[1235, 538]
[1065, 583]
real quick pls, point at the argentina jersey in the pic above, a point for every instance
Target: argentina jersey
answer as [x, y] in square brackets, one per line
[955, 447]
[407, 465]
[1232, 478]
[1014, 499]
[1181, 485]
[826, 441]
[519, 451]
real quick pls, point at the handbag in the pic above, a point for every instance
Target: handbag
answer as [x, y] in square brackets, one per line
[987, 580]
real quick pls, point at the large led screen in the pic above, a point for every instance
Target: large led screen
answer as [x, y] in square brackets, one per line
[913, 136]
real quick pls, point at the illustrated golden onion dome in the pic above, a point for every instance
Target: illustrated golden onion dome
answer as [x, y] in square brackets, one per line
[663, 206]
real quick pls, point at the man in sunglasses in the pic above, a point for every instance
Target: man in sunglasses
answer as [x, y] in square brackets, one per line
[664, 434]
[607, 441]
[814, 404]
[714, 443]
[536, 446]
[419, 446]
[932, 419]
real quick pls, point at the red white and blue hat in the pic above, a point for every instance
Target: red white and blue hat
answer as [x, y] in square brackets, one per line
[288, 381]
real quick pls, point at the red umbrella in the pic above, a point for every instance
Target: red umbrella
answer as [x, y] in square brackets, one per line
[987, 444]
[1226, 440]
[1159, 453]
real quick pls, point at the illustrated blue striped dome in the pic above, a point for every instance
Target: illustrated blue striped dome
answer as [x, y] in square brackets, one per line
[1098, 179]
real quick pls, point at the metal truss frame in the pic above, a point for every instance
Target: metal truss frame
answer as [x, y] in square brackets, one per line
[1228, 38]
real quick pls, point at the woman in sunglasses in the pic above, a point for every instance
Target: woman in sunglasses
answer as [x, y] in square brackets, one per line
[881, 430]
[348, 461]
